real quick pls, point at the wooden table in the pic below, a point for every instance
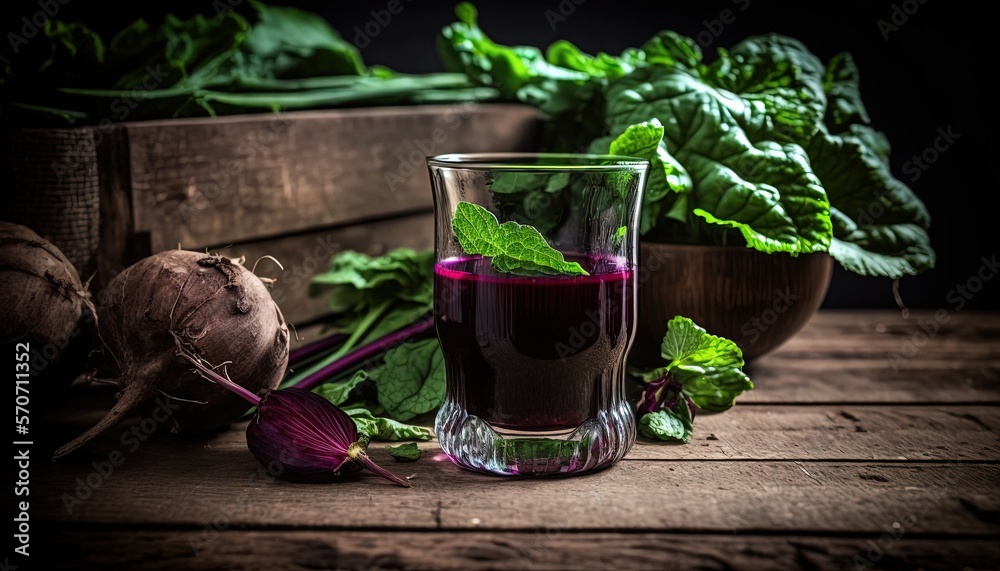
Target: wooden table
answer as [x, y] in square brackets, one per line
[835, 461]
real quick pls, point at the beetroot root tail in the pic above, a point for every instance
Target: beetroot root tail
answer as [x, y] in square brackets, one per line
[130, 400]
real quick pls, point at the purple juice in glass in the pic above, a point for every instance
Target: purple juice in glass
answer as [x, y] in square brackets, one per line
[532, 354]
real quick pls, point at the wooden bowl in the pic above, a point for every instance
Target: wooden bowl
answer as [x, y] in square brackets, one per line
[758, 300]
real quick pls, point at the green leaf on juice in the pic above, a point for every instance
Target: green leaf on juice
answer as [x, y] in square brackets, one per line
[515, 248]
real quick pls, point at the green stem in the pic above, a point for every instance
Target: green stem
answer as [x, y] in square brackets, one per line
[359, 333]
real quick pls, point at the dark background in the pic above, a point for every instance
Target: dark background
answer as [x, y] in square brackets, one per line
[930, 73]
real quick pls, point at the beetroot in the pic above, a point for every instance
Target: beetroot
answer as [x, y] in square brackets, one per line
[211, 305]
[44, 303]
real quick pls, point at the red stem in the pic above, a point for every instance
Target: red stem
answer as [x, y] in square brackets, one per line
[359, 355]
[371, 465]
[311, 349]
[218, 379]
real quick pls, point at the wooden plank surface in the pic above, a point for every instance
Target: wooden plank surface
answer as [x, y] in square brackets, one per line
[305, 255]
[548, 549]
[827, 454]
[785, 433]
[707, 495]
[206, 182]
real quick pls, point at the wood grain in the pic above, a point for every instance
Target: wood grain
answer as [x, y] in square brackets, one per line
[480, 551]
[205, 182]
[152, 486]
[305, 255]
[810, 470]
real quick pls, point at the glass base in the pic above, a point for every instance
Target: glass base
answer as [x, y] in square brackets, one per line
[472, 443]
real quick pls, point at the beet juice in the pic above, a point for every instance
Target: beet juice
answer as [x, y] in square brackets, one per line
[534, 354]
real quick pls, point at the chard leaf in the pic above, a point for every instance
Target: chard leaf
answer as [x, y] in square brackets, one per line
[412, 380]
[339, 391]
[765, 190]
[379, 428]
[287, 42]
[673, 50]
[879, 225]
[708, 368]
[564, 54]
[668, 424]
[780, 84]
[514, 248]
[843, 94]
[407, 452]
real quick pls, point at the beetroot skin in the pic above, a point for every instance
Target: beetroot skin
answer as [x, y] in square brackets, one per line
[214, 308]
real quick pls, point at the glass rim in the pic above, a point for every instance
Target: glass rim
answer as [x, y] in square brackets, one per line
[538, 162]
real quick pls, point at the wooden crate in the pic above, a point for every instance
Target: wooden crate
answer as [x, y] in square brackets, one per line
[298, 186]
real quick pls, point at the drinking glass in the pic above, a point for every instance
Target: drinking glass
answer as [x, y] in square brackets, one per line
[535, 362]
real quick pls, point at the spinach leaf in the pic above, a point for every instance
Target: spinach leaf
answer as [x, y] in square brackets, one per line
[879, 225]
[412, 380]
[668, 424]
[407, 452]
[338, 392]
[380, 428]
[667, 178]
[766, 190]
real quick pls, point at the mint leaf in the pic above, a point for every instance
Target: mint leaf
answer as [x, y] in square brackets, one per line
[671, 425]
[515, 248]
[708, 368]
[378, 428]
[404, 452]
[412, 380]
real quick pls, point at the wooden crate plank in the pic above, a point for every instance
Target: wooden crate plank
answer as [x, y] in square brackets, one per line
[545, 549]
[204, 182]
[305, 255]
[188, 483]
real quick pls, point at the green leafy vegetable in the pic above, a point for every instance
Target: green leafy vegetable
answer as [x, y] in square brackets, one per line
[668, 424]
[339, 392]
[277, 58]
[708, 368]
[404, 452]
[514, 248]
[380, 298]
[412, 381]
[702, 371]
[763, 144]
[380, 428]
